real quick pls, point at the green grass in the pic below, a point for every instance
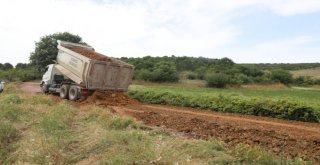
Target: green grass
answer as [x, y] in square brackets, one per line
[288, 103]
[36, 130]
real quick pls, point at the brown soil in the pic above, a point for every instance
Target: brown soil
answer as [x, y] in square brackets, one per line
[282, 137]
[31, 87]
[90, 54]
[108, 98]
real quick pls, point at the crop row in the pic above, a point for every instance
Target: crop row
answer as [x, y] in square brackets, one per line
[276, 108]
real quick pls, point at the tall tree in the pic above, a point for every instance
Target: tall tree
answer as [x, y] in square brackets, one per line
[46, 49]
[21, 66]
[7, 66]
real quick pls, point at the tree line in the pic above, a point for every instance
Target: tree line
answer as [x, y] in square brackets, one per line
[216, 72]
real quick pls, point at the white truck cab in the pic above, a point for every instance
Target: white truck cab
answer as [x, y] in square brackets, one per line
[49, 77]
[1, 86]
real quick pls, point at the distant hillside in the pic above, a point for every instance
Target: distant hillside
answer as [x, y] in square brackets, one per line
[313, 72]
[287, 66]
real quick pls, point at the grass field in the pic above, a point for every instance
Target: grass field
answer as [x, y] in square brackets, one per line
[279, 102]
[314, 73]
[37, 129]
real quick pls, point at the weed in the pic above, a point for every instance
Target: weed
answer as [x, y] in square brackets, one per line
[57, 122]
[128, 148]
[10, 112]
[120, 123]
[8, 136]
[12, 99]
[256, 155]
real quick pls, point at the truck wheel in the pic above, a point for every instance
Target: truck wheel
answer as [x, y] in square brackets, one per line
[44, 88]
[64, 91]
[73, 93]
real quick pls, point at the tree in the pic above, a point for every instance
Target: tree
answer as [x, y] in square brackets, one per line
[250, 70]
[223, 64]
[281, 76]
[218, 80]
[21, 66]
[46, 49]
[165, 71]
[7, 66]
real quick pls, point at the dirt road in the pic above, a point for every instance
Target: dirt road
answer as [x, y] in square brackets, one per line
[33, 87]
[290, 138]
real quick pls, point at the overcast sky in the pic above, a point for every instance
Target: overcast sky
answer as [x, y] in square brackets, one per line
[247, 31]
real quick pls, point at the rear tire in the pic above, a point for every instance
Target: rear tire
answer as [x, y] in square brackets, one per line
[73, 93]
[64, 90]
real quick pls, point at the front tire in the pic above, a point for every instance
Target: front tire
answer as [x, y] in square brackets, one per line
[73, 93]
[44, 88]
[64, 90]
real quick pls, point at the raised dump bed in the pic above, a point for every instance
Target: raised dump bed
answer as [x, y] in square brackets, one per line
[92, 70]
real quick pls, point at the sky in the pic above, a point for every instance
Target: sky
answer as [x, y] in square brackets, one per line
[247, 31]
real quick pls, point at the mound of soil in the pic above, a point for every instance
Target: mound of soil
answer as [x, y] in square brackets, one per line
[90, 54]
[108, 98]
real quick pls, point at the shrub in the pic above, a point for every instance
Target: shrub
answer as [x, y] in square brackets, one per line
[281, 76]
[161, 72]
[143, 74]
[279, 108]
[201, 72]
[191, 76]
[165, 72]
[8, 135]
[218, 80]
[26, 74]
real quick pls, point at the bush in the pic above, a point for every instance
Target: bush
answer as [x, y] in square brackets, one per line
[201, 72]
[278, 108]
[218, 80]
[281, 76]
[305, 81]
[27, 74]
[191, 76]
[162, 72]
[165, 72]
[143, 74]
[8, 135]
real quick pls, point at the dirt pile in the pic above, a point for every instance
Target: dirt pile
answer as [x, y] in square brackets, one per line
[90, 54]
[108, 98]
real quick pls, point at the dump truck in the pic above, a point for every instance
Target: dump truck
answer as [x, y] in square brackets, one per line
[79, 71]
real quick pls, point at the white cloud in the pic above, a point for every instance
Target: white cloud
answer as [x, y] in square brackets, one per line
[288, 50]
[135, 27]
[285, 43]
[293, 7]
